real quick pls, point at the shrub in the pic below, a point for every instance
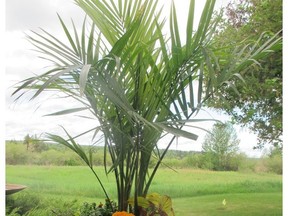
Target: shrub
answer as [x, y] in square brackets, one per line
[20, 204]
[16, 154]
[97, 210]
[274, 164]
[12, 213]
[261, 166]
[248, 164]
[71, 159]
[206, 162]
[51, 157]
[98, 158]
[234, 162]
[194, 160]
[64, 209]
[173, 163]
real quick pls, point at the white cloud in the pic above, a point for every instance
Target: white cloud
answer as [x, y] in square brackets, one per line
[27, 118]
[31, 14]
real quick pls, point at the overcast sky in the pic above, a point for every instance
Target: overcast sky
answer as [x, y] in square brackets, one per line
[26, 117]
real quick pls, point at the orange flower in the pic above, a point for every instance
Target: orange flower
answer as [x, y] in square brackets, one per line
[123, 213]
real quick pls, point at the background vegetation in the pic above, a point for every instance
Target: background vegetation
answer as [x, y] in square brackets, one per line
[59, 155]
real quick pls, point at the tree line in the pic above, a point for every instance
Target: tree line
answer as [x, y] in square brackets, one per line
[43, 154]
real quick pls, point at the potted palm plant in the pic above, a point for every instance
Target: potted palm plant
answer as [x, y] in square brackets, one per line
[136, 81]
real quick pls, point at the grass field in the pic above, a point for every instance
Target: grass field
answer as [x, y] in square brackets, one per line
[193, 192]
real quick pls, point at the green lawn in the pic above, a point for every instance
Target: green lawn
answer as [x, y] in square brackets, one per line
[236, 204]
[193, 192]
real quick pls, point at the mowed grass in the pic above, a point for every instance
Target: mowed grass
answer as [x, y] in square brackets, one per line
[193, 192]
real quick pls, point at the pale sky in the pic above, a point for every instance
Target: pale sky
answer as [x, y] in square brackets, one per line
[26, 117]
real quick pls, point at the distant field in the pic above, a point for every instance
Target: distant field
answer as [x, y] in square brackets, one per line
[193, 192]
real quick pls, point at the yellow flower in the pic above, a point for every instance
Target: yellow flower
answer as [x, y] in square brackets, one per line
[123, 213]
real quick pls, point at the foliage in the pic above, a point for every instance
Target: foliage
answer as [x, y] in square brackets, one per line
[275, 164]
[258, 101]
[16, 154]
[100, 210]
[220, 147]
[135, 81]
[56, 155]
[65, 209]
[34, 143]
[273, 161]
[12, 213]
[154, 204]
[22, 205]
[275, 151]
[60, 158]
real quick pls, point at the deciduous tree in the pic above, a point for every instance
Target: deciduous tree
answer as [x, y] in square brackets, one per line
[257, 102]
[221, 146]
